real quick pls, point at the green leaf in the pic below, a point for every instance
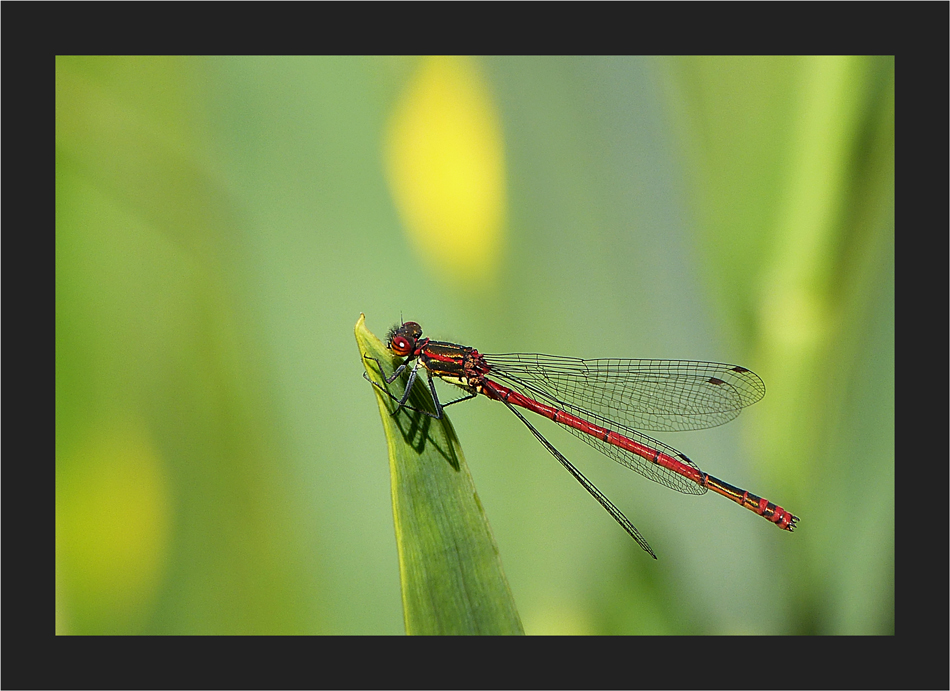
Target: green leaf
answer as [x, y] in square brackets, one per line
[452, 579]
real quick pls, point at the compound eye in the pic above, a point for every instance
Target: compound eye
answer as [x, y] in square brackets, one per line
[401, 346]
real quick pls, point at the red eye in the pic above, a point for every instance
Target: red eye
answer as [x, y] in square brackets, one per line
[402, 339]
[400, 345]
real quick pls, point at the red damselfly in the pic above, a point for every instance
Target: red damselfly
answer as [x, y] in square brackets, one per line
[601, 402]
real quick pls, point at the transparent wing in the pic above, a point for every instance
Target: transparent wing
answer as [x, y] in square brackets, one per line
[655, 395]
[616, 513]
[621, 395]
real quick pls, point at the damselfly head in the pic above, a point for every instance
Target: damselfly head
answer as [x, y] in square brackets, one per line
[402, 338]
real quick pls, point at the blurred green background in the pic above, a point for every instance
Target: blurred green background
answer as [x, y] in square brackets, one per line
[221, 223]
